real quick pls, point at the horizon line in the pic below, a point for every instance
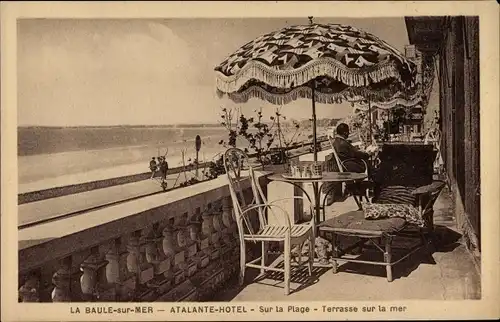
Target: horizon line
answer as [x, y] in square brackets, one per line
[144, 125]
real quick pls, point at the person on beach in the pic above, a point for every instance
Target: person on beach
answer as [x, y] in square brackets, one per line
[163, 168]
[152, 166]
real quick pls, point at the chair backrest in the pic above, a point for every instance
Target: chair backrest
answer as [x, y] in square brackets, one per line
[236, 163]
[340, 166]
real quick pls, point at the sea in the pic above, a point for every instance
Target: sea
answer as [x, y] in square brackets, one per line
[72, 154]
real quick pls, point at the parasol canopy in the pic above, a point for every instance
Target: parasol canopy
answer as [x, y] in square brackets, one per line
[327, 63]
[335, 62]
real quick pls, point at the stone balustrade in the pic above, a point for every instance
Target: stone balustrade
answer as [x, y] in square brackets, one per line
[180, 245]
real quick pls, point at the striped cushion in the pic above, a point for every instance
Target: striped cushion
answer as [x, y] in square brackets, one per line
[395, 195]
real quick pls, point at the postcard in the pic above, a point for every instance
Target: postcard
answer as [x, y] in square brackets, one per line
[175, 161]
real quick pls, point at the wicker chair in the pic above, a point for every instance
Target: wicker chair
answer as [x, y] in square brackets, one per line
[397, 200]
[252, 221]
[363, 189]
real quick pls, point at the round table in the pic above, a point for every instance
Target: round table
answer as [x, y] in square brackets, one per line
[327, 177]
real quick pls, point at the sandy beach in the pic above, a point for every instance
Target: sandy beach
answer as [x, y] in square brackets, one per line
[48, 170]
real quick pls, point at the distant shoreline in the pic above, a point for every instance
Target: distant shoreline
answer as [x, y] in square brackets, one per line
[320, 122]
[119, 126]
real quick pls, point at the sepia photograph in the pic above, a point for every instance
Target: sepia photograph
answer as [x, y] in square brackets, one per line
[206, 164]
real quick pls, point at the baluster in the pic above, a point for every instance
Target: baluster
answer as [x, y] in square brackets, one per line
[227, 221]
[94, 274]
[151, 239]
[116, 272]
[234, 224]
[195, 226]
[165, 267]
[193, 257]
[206, 228]
[133, 260]
[157, 257]
[215, 235]
[149, 261]
[180, 242]
[62, 280]
[154, 255]
[231, 238]
[231, 219]
[133, 253]
[137, 264]
[198, 237]
[75, 275]
[168, 239]
[217, 224]
[30, 290]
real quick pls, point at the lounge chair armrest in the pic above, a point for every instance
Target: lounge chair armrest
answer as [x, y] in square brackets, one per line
[354, 159]
[436, 186]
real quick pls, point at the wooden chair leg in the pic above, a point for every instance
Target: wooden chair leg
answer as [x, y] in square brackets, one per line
[334, 253]
[311, 254]
[358, 202]
[388, 257]
[299, 254]
[287, 255]
[242, 263]
[427, 243]
[367, 195]
[263, 259]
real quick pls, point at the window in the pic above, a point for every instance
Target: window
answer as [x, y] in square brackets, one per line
[410, 51]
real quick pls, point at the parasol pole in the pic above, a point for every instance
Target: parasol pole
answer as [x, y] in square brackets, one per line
[315, 151]
[278, 115]
[313, 85]
[370, 119]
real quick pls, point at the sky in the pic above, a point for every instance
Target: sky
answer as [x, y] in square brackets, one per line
[75, 72]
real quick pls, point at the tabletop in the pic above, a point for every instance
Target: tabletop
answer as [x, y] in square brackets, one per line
[326, 177]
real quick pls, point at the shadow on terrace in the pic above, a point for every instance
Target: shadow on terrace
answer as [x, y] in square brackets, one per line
[447, 273]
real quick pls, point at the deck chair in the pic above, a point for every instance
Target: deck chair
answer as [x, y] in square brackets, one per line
[401, 211]
[252, 221]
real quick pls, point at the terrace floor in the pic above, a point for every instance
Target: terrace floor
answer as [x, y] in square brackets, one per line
[450, 273]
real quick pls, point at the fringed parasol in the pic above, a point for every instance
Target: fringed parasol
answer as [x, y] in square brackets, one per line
[328, 63]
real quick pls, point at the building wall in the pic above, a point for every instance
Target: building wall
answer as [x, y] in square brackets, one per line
[432, 108]
[459, 112]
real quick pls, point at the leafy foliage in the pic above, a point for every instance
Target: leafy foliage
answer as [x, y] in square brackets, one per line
[189, 182]
[261, 138]
[258, 134]
[215, 168]
[288, 132]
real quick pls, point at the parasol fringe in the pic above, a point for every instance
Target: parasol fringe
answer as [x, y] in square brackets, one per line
[349, 94]
[293, 78]
[390, 104]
